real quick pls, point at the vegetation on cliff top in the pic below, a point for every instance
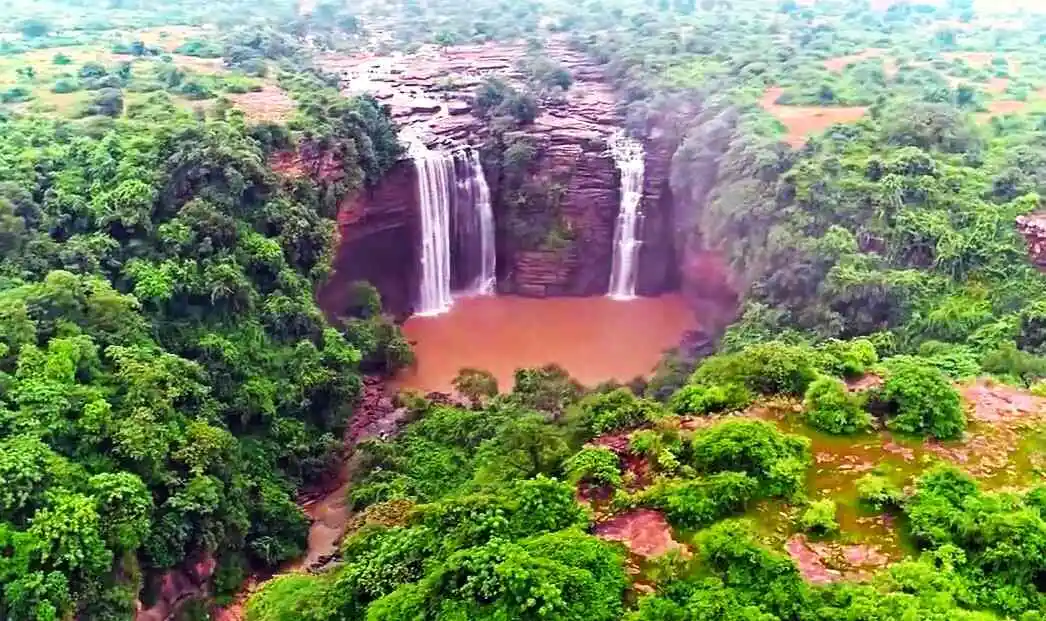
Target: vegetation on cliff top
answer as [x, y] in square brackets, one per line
[168, 385]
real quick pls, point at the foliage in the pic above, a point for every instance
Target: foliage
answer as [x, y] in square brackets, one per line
[878, 491]
[169, 383]
[923, 402]
[830, 407]
[594, 464]
[702, 399]
[476, 385]
[819, 517]
[602, 413]
[776, 460]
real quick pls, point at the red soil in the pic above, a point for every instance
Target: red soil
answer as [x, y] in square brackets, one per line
[644, 531]
[838, 64]
[822, 563]
[268, 104]
[997, 403]
[802, 121]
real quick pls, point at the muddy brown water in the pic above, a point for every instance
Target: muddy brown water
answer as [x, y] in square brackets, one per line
[596, 339]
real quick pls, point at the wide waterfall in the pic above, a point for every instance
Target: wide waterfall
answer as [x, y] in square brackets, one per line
[457, 226]
[629, 157]
[474, 225]
[435, 184]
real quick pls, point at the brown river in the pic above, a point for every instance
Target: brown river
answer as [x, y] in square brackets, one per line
[596, 339]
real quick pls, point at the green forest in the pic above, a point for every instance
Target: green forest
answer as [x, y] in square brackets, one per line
[170, 389]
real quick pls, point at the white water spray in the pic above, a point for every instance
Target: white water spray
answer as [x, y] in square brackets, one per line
[435, 182]
[483, 215]
[629, 158]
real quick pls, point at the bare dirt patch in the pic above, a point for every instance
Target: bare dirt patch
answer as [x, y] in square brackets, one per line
[997, 403]
[826, 562]
[269, 104]
[645, 532]
[840, 63]
[802, 121]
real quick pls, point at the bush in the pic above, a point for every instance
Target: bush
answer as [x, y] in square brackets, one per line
[61, 59]
[848, 358]
[15, 94]
[476, 385]
[618, 409]
[107, 102]
[832, 409]
[65, 85]
[878, 491]
[200, 49]
[923, 402]
[696, 503]
[93, 70]
[701, 399]
[776, 460]
[768, 368]
[594, 464]
[819, 518]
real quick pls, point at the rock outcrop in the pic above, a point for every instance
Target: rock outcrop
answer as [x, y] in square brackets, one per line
[378, 232]
[430, 95]
[1033, 228]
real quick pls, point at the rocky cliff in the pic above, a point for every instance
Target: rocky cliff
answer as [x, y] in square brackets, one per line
[429, 94]
[378, 233]
[1033, 228]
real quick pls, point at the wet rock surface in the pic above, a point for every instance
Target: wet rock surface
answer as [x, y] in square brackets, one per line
[827, 562]
[645, 532]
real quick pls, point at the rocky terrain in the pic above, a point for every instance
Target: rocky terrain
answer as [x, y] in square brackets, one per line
[430, 95]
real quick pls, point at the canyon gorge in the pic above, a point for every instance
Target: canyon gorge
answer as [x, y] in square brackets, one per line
[586, 211]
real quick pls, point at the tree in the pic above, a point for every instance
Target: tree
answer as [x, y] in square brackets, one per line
[476, 385]
[924, 402]
[830, 408]
[34, 28]
[107, 102]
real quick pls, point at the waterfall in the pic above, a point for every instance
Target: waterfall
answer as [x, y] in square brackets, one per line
[457, 226]
[435, 184]
[475, 225]
[628, 156]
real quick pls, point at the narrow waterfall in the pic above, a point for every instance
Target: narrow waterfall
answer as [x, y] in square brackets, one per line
[629, 158]
[474, 225]
[435, 185]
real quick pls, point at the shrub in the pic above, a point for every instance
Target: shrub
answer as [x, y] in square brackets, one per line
[701, 399]
[924, 402]
[617, 409]
[594, 464]
[878, 491]
[15, 94]
[848, 358]
[65, 85]
[696, 503]
[819, 518]
[92, 70]
[61, 59]
[476, 385]
[768, 368]
[777, 460]
[832, 409]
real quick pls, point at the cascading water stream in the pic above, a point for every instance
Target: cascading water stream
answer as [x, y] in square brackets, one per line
[629, 158]
[479, 223]
[435, 184]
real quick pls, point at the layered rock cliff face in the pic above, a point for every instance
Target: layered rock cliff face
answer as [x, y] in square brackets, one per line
[430, 96]
[378, 233]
